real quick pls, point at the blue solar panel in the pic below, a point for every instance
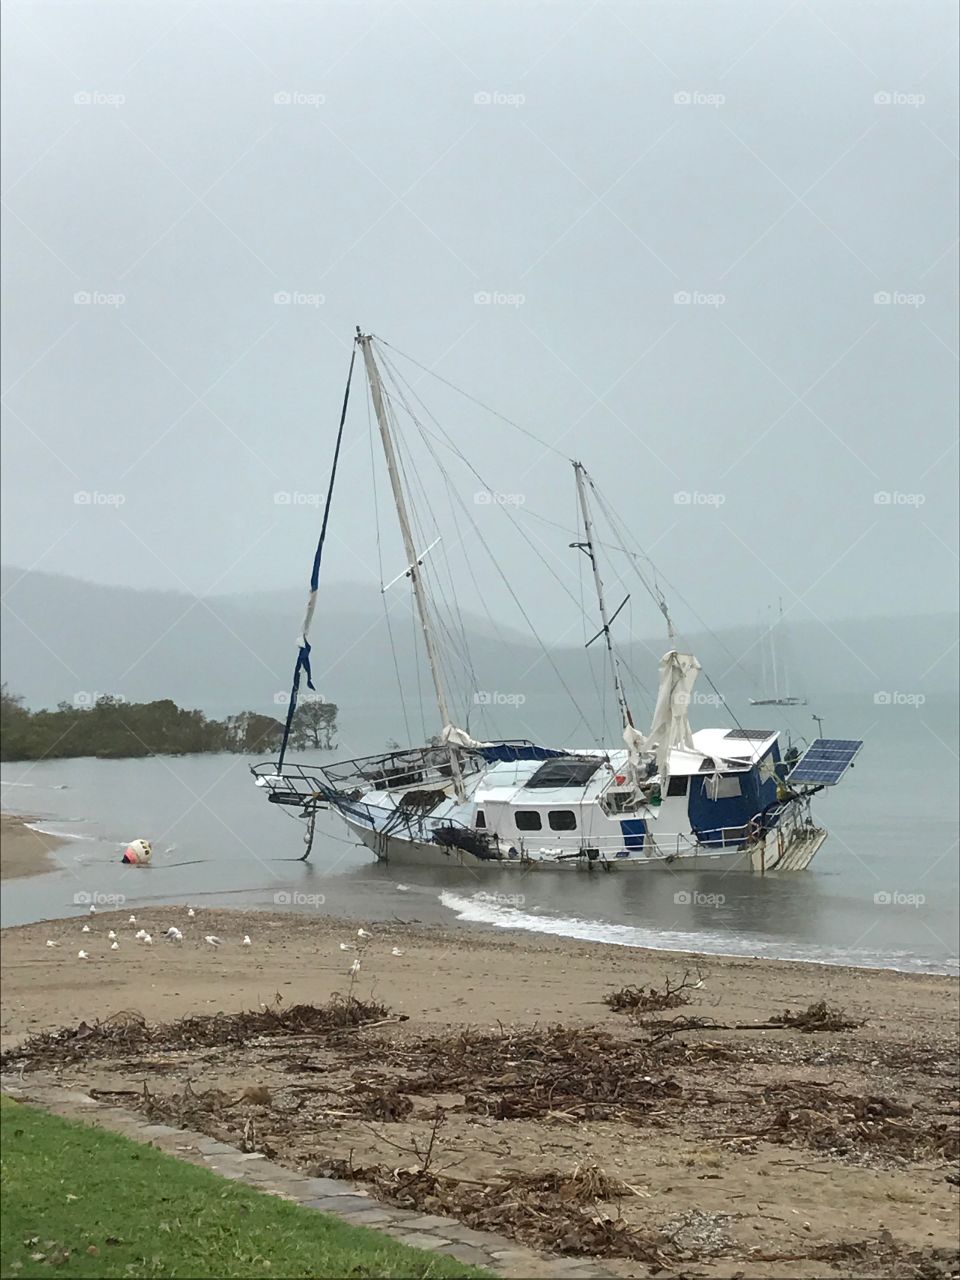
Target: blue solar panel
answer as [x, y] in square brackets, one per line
[825, 761]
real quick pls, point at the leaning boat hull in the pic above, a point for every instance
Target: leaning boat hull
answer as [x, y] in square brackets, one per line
[771, 855]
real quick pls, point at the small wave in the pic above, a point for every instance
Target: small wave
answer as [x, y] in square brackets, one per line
[59, 835]
[485, 909]
[4, 782]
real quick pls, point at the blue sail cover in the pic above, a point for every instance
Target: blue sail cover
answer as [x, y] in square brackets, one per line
[507, 752]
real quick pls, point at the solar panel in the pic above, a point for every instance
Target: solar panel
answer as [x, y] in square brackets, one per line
[749, 734]
[825, 761]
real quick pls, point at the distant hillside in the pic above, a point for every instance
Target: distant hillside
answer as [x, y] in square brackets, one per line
[63, 639]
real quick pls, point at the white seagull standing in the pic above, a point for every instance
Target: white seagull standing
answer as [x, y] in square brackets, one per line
[132, 920]
[190, 913]
[114, 946]
[246, 941]
[111, 935]
[362, 933]
[148, 940]
[212, 939]
[85, 929]
[174, 934]
[82, 955]
[93, 909]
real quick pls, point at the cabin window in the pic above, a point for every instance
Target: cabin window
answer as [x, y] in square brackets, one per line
[562, 820]
[528, 820]
[480, 820]
[676, 786]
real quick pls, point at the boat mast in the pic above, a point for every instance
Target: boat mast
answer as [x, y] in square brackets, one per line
[587, 546]
[420, 596]
[784, 673]
[773, 658]
[764, 638]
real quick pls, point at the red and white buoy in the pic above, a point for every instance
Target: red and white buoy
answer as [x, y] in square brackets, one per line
[137, 853]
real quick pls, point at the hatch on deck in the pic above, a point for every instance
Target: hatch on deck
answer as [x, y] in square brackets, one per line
[563, 773]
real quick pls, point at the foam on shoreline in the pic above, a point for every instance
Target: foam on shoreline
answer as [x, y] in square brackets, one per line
[485, 909]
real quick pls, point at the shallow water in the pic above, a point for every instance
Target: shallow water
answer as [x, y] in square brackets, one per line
[882, 892]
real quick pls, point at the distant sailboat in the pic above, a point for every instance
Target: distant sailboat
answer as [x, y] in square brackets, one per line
[773, 672]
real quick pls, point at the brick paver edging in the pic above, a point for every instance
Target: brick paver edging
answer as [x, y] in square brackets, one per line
[343, 1200]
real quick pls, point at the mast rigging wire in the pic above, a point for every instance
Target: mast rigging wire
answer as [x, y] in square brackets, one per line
[425, 435]
[633, 555]
[303, 655]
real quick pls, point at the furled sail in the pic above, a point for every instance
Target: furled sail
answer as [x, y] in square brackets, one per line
[452, 736]
[671, 725]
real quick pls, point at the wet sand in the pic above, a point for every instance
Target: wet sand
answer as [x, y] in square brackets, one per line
[459, 976]
[24, 852]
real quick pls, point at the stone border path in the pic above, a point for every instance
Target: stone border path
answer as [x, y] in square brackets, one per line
[343, 1200]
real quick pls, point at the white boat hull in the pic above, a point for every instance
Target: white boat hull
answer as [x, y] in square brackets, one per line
[773, 854]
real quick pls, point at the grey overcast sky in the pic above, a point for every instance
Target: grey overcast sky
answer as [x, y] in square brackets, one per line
[709, 248]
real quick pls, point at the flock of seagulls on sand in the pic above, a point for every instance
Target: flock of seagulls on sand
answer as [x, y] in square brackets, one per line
[175, 935]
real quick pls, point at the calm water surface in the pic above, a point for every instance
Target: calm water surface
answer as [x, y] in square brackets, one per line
[882, 892]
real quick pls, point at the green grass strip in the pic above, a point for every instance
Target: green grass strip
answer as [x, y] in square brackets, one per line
[81, 1201]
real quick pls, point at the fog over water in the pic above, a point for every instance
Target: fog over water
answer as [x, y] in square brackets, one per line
[653, 235]
[711, 251]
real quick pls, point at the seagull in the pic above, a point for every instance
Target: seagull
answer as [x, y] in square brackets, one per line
[114, 946]
[402, 888]
[82, 955]
[110, 936]
[85, 929]
[148, 940]
[93, 909]
[355, 967]
[51, 943]
[190, 913]
[348, 946]
[362, 933]
[212, 939]
[246, 941]
[132, 920]
[174, 934]
[396, 952]
[141, 934]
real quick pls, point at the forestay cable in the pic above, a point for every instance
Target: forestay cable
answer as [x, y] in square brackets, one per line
[303, 655]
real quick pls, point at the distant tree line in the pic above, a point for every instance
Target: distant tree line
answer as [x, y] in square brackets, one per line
[112, 729]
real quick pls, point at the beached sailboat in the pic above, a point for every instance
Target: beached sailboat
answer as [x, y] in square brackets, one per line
[669, 797]
[774, 676]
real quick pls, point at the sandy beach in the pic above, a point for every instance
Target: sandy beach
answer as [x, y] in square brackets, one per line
[747, 1146]
[24, 852]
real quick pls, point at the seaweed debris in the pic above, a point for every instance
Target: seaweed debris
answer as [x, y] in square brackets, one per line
[129, 1030]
